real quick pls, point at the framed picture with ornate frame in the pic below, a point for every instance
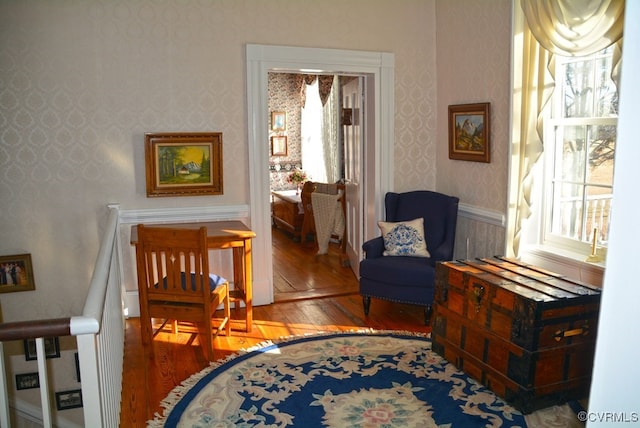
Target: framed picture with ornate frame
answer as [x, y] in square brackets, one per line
[16, 273]
[469, 137]
[183, 164]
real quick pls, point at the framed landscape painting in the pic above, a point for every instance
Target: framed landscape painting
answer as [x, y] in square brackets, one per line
[469, 132]
[183, 164]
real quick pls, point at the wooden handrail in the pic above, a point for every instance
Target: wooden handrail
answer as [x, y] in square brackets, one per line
[35, 328]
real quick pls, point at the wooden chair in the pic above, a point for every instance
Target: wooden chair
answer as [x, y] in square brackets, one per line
[174, 283]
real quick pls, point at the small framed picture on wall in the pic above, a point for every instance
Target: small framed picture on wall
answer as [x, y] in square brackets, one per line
[278, 121]
[279, 146]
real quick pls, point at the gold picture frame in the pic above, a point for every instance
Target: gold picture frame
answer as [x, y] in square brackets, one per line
[279, 145]
[469, 137]
[278, 121]
[183, 164]
[16, 273]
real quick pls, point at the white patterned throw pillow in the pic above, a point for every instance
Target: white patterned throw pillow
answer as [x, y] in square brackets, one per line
[404, 238]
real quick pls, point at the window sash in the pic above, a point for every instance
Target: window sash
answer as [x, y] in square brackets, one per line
[577, 203]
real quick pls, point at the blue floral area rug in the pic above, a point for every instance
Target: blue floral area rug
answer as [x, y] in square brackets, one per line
[358, 379]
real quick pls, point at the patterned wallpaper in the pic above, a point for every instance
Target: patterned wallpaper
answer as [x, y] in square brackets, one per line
[474, 41]
[284, 95]
[81, 81]
[473, 67]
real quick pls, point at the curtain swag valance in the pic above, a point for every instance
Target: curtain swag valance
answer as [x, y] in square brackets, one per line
[575, 27]
[324, 86]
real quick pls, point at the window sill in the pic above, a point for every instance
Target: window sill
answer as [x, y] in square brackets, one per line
[564, 262]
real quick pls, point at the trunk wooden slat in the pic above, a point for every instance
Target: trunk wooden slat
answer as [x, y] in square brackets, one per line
[526, 333]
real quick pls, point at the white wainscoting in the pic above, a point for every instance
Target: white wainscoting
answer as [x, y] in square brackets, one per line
[481, 233]
[220, 258]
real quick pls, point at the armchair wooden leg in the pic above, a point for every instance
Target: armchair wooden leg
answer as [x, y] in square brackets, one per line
[366, 302]
[428, 311]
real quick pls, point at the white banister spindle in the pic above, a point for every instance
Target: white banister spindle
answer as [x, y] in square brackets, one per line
[45, 400]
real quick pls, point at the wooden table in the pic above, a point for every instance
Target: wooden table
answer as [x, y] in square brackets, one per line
[221, 235]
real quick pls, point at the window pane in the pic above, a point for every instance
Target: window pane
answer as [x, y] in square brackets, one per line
[598, 214]
[578, 89]
[601, 156]
[606, 95]
[571, 162]
[567, 210]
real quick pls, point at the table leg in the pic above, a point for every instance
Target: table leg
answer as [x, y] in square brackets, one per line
[242, 279]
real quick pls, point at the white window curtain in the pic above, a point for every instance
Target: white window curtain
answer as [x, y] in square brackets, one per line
[319, 128]
[543, 28]
[311, 129]
[330, 135]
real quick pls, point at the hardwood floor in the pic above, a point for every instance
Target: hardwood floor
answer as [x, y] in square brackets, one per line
[178, 356]
[300, 273]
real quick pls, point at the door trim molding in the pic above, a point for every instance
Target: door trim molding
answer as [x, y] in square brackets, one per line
[261, 59]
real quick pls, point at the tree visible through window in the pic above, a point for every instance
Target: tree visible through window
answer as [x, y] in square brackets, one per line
[582, 130]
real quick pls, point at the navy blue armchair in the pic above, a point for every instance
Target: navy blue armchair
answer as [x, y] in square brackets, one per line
[409, 279]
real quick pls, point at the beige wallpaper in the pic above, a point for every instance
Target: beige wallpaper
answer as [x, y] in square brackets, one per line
[473, 66]
[81, 81]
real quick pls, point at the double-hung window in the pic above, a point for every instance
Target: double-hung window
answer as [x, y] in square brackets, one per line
[580, 141]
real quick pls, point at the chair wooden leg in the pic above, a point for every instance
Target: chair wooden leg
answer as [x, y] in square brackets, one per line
[206, 336]
[146, 331]
[366, 302]
[428, 311]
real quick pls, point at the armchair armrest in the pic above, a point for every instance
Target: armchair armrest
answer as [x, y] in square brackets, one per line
[373, 248]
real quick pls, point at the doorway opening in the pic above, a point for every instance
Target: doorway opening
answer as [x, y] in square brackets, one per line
[377, 154]
[312, 135]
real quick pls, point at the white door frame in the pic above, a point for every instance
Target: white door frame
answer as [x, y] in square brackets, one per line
[261, 59]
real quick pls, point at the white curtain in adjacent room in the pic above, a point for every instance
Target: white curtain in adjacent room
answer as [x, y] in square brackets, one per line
[320, 138]
[330, 135]
[311, 129]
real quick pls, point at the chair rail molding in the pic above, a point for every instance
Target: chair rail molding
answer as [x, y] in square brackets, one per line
[484, 215]
[184, 214]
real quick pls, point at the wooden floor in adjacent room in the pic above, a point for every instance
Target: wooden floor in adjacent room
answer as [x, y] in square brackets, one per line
[177, 357]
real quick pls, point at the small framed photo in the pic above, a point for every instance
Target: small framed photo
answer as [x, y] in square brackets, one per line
[469, 127]
[279, 146]
[27, 381]
[16, 273]
[68, 399]
[51, 348]
[278, 121]
[183, 164]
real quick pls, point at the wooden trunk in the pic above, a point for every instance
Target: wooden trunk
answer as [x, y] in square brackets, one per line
[286, 211]
[526, 333]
